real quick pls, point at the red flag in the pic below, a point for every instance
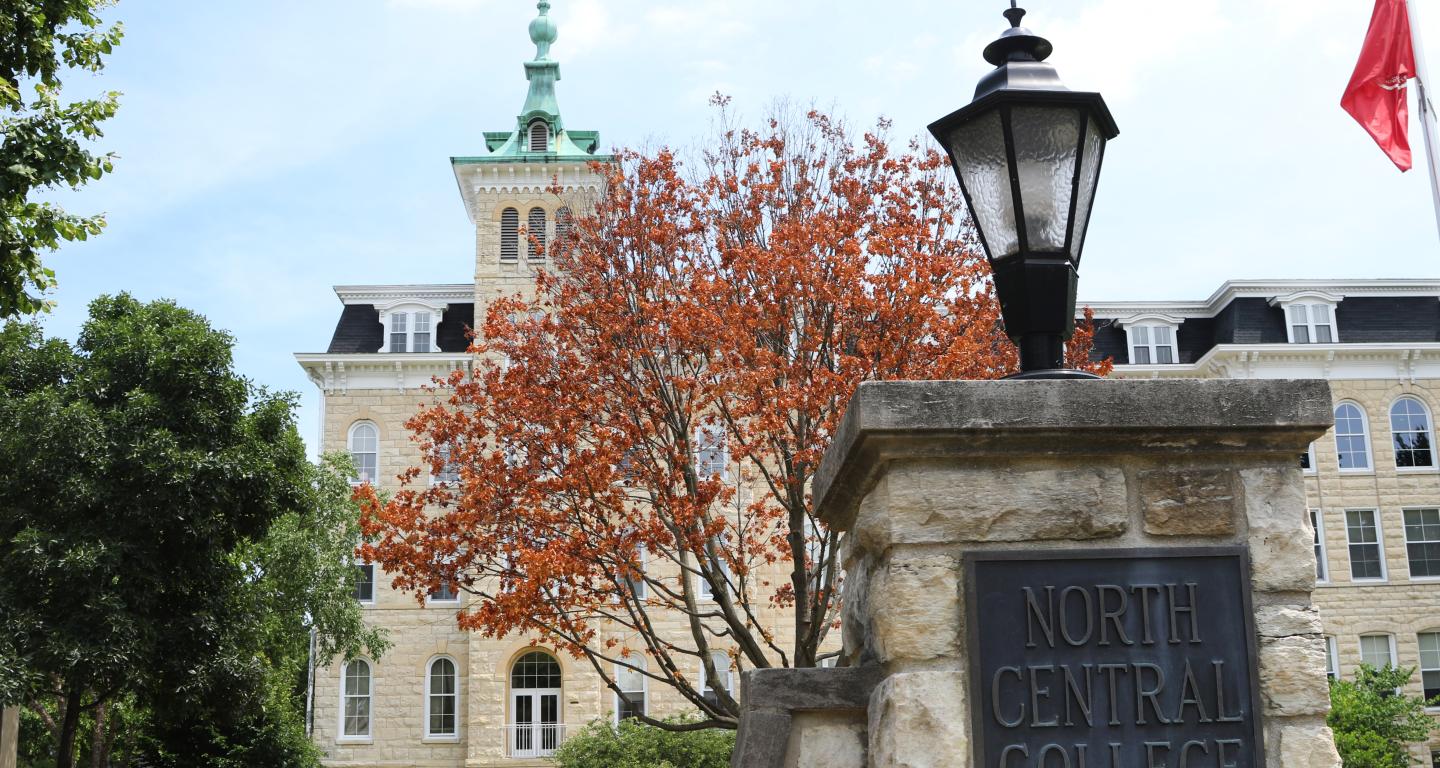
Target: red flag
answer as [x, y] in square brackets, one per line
[1376, 94]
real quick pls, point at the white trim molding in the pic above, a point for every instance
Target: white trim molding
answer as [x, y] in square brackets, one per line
[338, 373]
[1263, 289]
[1403, 360]
[384, 296]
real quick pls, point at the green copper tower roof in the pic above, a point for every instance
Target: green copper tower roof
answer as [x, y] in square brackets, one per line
[541, 106]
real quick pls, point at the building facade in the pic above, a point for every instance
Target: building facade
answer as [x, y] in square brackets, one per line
[442, 696]
[1373, 483]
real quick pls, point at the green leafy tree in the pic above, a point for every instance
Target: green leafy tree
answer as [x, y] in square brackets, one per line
[634, 745]
[165, 547]
[1372, 723]
[43, 139]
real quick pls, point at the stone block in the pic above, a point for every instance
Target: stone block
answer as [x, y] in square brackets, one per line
[1287, 620]
[925, 502]
[826, 741]
[1188, 502]
[919, 720]
[1292, 676]
[762, 741]
[920, 616]
[1280, 560]
[1303, 745]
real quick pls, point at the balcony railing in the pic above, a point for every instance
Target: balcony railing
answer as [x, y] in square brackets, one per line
[533, 739]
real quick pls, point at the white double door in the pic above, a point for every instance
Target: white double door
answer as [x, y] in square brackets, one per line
[537, 722]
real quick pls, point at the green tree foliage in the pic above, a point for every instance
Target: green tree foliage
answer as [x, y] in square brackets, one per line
[1372, 723]
[43, 139]
[165, 547]
[635, 745]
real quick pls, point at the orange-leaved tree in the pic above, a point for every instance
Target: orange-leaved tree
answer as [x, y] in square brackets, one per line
[636, 442]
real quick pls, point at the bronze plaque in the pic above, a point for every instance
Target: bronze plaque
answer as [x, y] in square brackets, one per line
[1113, 659]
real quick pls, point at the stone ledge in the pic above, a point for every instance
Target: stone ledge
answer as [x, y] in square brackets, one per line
[769, 697]
[964, 419]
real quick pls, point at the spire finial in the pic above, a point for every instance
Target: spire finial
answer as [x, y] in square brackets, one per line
[1015, 14]
[543, 31]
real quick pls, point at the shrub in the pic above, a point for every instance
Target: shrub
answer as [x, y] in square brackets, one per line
[634, 745]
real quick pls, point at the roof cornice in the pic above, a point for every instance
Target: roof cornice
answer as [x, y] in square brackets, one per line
[1265, 289]
[458, 293]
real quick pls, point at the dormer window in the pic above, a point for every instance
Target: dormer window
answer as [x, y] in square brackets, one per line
[1310, 323]
[1152, 339]
[1309, 316]
[410, 332]
[539, 136]
[409, 325]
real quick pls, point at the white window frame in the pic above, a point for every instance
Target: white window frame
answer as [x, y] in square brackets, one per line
[373, 584]
[1310, 454]
[369, 735]
[1379, 545]
[455, 600]
[410, 308]
[1317, 521]
[1405, 530]
[1332, 658]
[1146, 325]
[644, 687]
[1369, 467]
[1429, 432]
[449, 470]
[537, 231]
[729, 673]
[1309, 300]
[711, 439]
[1420, 664]
[1394, 656]
[429, 676]
[356, 479]
[703, 590]
[638, 584]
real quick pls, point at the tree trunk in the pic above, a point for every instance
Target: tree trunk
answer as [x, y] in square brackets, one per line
[99, 743]
[9, 736]
[65, 748]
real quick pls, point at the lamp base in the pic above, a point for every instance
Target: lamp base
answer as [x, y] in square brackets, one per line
[1053, 373]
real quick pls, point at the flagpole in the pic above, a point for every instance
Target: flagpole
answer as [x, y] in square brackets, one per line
[1427, 110]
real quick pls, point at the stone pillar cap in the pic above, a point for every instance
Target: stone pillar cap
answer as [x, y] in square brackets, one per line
[995, 419]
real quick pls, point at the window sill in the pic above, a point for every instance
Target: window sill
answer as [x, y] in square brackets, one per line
[441, 603]
[352, 741]
[1370, 582]
[1364, 471]
[1418, 471]
[1426, 580]
[455, 739]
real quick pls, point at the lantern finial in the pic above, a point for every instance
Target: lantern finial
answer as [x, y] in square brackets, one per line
[1014, 14]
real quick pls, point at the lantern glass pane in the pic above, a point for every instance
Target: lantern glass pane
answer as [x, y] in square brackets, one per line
[1047, 142]
[978, 146]
[1089, 178]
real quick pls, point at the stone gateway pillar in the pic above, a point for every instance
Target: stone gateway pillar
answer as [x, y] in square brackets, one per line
[9, 736]
[1064, 574]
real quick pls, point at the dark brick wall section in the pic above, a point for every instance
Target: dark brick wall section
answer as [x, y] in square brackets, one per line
[451, 335]
[1380, 319]
[1111, 342]
[1256, 322]
[359, 330]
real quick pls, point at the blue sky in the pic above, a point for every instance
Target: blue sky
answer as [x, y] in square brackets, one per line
[270, 149]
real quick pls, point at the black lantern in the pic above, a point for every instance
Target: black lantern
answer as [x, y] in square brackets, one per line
[1027, 151]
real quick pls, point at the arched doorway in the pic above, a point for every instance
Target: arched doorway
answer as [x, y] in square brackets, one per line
[535, 705]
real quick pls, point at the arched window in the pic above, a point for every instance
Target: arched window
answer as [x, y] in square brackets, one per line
[564, 219]
[355, 700]
[1352, 444]
[535, 229]
[721, 661]
[364, 452]
[1412, 434]
[509, 234]
[539, 136]
[441, 699]
[535, 729]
